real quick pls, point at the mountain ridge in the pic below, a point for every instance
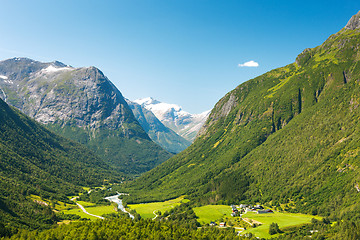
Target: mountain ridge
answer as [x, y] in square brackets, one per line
[81, 104]
[289, 136]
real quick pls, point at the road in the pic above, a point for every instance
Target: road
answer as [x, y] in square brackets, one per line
[84, 210]
[154, 212]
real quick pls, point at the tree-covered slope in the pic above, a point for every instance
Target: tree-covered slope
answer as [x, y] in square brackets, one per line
[81, 104]
[34, 160]
[291, 134]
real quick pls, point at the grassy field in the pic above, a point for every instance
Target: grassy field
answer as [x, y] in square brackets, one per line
[100, 210]
[146, 210]
[213, 213]
[91, 208]
[282, 219]
[86, 204]
[79, 212]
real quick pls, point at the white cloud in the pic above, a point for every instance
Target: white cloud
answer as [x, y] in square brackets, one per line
[249, 64]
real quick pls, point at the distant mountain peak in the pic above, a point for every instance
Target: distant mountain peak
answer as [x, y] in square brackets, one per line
[354, 22]
[59, 64]
[146, 101]
[21, 59]
[174, 117]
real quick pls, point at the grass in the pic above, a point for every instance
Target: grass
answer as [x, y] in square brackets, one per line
[90, 208]
[80, 213]
[211, 213]
[86, 204]
[282, 219]
[146, 210]
[100, 210]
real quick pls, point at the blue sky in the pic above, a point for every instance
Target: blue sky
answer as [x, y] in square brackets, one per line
[178, 51]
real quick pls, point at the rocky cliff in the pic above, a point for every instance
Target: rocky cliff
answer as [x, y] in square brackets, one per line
[82, 104]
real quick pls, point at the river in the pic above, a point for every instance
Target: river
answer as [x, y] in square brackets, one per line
[118, 201]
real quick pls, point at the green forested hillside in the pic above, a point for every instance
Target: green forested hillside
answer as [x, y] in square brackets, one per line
[34, 160]
[289, 135]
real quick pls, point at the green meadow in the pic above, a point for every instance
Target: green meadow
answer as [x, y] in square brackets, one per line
[146, 210]
[282, 219]
[91, 208]
[209, 213]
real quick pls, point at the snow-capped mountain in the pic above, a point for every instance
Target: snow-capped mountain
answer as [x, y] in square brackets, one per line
[174, 117]
[157, 131]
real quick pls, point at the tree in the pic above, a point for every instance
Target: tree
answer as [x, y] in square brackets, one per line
[274, 228]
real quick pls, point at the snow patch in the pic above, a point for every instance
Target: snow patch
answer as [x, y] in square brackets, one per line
[52, 69]
[5, 97]
[162, 111]
[9, 81]
[3, 77]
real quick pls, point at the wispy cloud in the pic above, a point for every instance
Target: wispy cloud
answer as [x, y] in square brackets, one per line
[249, 64]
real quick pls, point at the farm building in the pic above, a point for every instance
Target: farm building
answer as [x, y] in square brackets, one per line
[265, 211]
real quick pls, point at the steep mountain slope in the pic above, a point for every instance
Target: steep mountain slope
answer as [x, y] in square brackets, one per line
[174, 117]
[81, 104]
[289, 135]
[34, 160]
[159, 133]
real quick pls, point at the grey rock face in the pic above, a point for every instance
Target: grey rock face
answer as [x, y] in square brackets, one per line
[56, 93]
[83, 104]
[221, 110]
[354, 22]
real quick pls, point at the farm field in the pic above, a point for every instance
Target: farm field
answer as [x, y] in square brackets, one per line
[146, 210]
[282, 219]
[91, 208]
[79, 212]
[210, 213]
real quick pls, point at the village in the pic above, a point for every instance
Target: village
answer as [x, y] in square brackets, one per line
[243, 209]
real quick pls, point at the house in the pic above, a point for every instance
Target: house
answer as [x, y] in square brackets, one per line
[243, 206]
[212, 224]
[233, 214]
[265, 211]
[222, 224]
[257, 207]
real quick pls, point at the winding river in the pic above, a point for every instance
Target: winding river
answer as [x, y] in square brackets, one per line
[118, 201]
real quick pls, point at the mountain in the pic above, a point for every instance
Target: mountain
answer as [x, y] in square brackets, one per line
[290, 136]
[81, 104]
[172, 116]
[36, 161]
[158, 132]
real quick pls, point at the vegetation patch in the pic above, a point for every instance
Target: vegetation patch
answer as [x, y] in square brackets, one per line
[101, 210]
[212, 213]
[79, 212]
[282, 219]
[146, 210]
